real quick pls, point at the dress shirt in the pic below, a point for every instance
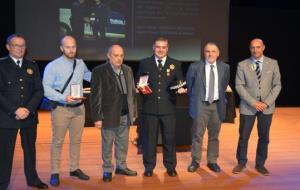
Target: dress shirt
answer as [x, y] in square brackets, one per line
[57, 73]
[120, 73]
[261, 60]
[15, 60]
[207, 77]
[163, 61]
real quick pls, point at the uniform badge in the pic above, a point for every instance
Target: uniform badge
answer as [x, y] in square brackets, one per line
[172, 67]
[29, 71]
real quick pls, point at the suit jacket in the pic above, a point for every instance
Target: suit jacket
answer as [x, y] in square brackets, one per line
[250, 91]
[106, 98]
[196, 87]
[19, 87]
[162, 100]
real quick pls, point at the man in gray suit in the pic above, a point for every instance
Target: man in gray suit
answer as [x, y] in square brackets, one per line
[258, 85]
[206, 82]
[113, 109]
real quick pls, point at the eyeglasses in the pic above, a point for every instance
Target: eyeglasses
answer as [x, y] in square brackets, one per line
[15, 46]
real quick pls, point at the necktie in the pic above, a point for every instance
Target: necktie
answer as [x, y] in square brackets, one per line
[19, 63]
[257, 70]
[121, 85]
[211, 87]
[160, 66]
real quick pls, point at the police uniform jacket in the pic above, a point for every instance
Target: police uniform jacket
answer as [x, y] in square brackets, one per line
[162, 100]
[19, 87]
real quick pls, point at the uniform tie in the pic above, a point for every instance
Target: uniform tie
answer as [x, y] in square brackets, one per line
[160, 66]
[19, 63]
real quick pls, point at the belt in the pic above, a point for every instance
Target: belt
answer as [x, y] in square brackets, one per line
[124, 113]
[69, 105]
[207, 102]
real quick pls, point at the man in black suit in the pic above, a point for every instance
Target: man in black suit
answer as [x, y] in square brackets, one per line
[21, 90]
[158, 108]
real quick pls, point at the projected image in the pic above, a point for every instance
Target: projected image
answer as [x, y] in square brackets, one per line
[134, 24]
[93, 20]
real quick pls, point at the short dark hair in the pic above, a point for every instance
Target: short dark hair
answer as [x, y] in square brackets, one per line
[160, 39]
[10, 37]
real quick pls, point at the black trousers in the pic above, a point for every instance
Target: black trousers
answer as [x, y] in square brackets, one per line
[263, 129]
[150, 125]
[7, 146]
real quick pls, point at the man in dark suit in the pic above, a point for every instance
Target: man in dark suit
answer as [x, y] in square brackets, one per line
[21, 90]
[114, 109]
[206, 82]
[158, 109]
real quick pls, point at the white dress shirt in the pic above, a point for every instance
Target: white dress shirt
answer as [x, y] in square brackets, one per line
[207, 77]
[163, 61]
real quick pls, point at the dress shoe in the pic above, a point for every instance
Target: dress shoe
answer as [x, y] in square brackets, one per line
[78, 173]
[214, 167]
[107, 176]
[54, 180]
[193, 167]
[262, 170]
[126, 171]
[238, 168]
[39, 185]
[148, 173]
[172, 173]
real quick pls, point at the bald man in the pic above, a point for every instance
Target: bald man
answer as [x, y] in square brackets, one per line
[68, 112]
[258, 84]
[114, 109]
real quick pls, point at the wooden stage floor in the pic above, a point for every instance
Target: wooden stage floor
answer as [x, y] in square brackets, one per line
[283, 162]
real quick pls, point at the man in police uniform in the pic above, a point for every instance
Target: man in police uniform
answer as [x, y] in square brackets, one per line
[159, 107]
[21, 90]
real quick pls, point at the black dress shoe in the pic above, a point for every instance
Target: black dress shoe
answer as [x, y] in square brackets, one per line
[172, 173]
[54, 180]
[107, 177]
[126, 171]
[39, 185]
[262, 170]
[238, 168]
[193, 167]
[78, 173]
[148, 173]
[214, 167]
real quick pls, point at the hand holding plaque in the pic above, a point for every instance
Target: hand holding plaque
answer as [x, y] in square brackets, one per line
[143, 85]
[179, 87]
[76, 92]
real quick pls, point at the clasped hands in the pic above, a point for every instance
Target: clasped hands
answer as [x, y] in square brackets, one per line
[260, 106]
[21, 113]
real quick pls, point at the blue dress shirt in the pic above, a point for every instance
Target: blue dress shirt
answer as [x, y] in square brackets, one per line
[57, 73]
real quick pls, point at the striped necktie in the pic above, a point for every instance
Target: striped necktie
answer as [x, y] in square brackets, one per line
[257, 70]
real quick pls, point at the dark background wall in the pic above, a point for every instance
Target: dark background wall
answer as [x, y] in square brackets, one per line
[274, 21]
